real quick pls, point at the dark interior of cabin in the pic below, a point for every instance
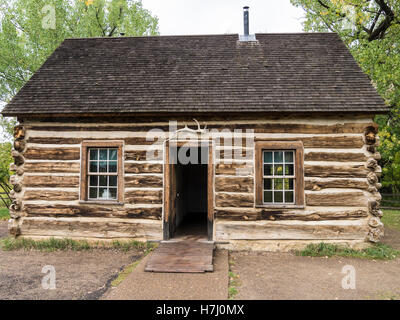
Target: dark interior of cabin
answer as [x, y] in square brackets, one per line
[191, 195]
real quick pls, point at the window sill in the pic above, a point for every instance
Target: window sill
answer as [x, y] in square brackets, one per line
[109, 202]
[275, 206]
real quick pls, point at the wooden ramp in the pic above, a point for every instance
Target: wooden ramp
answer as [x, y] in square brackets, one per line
[181, 256]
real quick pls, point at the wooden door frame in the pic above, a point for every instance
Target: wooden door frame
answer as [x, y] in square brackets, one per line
[167, 186]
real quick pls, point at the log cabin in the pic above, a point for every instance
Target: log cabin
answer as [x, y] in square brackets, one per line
[262, 142]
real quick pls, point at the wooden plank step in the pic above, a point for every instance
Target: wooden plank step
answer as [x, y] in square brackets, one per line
[182, 256]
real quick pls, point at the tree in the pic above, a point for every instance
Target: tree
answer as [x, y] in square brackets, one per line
[5, 161]
[30, 30]
[371, 30]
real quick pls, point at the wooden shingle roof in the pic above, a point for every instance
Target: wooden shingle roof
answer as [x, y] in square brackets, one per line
[304, 72]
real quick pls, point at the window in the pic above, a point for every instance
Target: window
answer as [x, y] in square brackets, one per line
[101, 176]
[279, 174]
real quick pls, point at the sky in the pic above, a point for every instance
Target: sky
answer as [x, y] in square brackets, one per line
[177, 17]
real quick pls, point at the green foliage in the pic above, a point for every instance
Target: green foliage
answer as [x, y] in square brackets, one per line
[44, 245]
[133, 244]
[391, 219]
[54, 244]
[28, 35]
[27, 38]
[371, 30]
[5, 161]
[377, 251]
[4, 214]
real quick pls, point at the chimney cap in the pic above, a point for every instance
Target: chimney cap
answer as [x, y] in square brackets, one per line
[246, 36]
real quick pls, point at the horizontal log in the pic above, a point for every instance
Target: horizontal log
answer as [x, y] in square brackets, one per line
[102, 228]
[318, 184]
[234, 184]
[143, 196]
[60, 153]
[78, 140]
[234, 200]
[309, 214]
[344, 170]
[144, 213]
[143, 168]
[50, 181]
[351, 199]
[143, 155]
[233, 169]
[335, 156]
[144, 181]
[91, 210]
[267, 127]
[52, 167]
[51, 195]
[341, 142]
[291, 230]
[246, 154]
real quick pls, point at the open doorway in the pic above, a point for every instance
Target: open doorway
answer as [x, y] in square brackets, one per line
[187, 209]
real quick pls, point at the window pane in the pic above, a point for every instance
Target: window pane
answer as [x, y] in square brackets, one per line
[288, 196]
[278, 156]
[103, 154]
[93, 166]
[103, 166]
[278, 170]
[93, 181]
[268, 157]
[93, 193]
[288, 156]
[278, 196]
[268, 184]
[112, 166]
[113, 154]
[113, 193]
[103, 193]
[288, 184]
[289, 170]
[268, 170]
[94, 154]
[112, 181]
[103, 181]
[278, 184]
[267, 196]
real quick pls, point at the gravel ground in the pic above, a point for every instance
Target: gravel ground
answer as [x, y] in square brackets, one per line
[79, 274]
[286, 276]
[3, 229]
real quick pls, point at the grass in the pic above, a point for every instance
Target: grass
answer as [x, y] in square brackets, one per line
[53, 244]
[378, 251]
[233, 282]
[391, 219]
[128, 269]
[4, 214]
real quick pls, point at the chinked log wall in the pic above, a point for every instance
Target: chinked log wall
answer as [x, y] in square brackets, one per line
[340, 166]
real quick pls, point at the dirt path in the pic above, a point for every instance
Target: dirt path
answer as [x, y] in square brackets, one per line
[3, 229]
[79, 274]
[286, 276]
[141, 285]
